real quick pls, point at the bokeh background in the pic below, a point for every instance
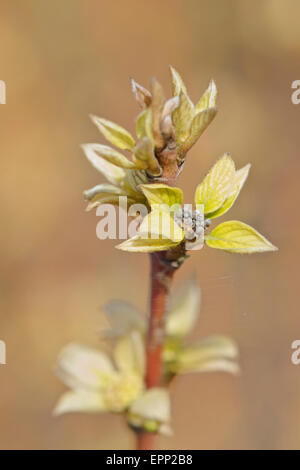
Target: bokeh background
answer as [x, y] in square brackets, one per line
[62, 60]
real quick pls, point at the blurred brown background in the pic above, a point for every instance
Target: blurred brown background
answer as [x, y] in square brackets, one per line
[62, 60]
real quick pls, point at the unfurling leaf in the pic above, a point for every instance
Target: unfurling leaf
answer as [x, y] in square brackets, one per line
[103, 194]
[237, 237]
[198, 126]
[182, 117]
[142, 95]
[212, 354]
[113, 173]
[215, 187]
[154, 404]
[209, 98]
[114, 133]
[184, 310]
[112, 156]
[140, 244]
[144, 157]
[238, 182]
[144, 125]
[158, 101]
[129, 353]
[178, 84]
[162, 194]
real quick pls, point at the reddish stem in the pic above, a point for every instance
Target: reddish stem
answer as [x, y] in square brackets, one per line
[161, 276]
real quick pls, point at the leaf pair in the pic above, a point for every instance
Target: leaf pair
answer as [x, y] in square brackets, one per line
[191, 120]
[216, 194]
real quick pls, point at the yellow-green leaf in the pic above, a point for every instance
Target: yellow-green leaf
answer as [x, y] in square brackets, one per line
[162, 194]
[239, 180]
[178, 84]
[114, 133]
[154, 404]
[144, 157]
[142, 95]
[139, 244]
[208, 99]
[103, 188]
[215, 187]
[113, 173]
[144, 125]
[129, 354]
[112, 156]
[212, 354]
[237, 237]
[182, 117]
[184, 310]
[160, 224]
[199, 124]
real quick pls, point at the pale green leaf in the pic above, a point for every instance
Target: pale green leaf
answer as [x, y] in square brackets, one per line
[199, 124]
[162, 194]
[103, 198]
[140, 244]
[103, 188]
[114, 133]
[215, 187]
[144, 158]
[129, 354]
[212, 354]
[81, 365]
[208, 99]
[84, 401]
[113, 173]
[123, 317]
[182, 117]
[142, 95]
[239, 180]
[178, 84]
[112, 156]
[184, 310]
[237, 237]
[160, 224]
[154, 404]
[144, 125]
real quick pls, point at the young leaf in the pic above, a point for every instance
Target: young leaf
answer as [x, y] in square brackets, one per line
[178, 84]
[144, 157]
[112, 156]
[182, 117]
[113, 173]
[212, 354]
[215, 187]
[129, 353]
[162, 194]
[198, 126]
[160, 224]
[139, 244]
[142, 95]
[237, 237]
[144, 125]
[239, 180]
[209, 98]
[114, 133]
[154, 404]
[157, 105]
[184, 310]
